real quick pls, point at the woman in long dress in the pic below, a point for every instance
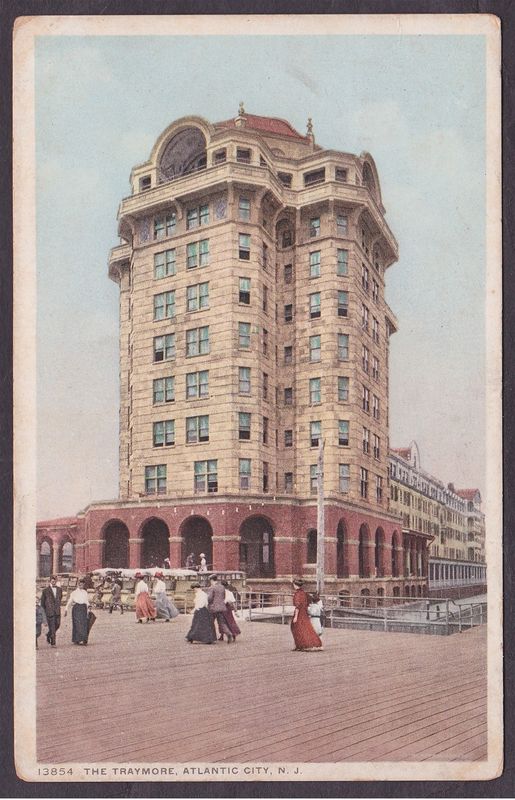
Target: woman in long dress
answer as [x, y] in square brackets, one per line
[165, 609]
[78, 602]
[230, 607]
[303, 632]
[145, 608]
[202, 626]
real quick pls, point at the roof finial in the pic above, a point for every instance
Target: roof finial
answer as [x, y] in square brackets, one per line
[310, 126]
[241, 109]
[310, 136]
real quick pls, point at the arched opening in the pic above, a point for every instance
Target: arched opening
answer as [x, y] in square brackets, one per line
[396, 594]
[285, 232]
[379, 553]
[66, 559]
[184, 153]
[406, 591]
[311, 551]
[156, 546]
[341, 560]
[365, 598]
[197, 538]
[380, 597]
[363, 560]
[369, 180]
[45, 559]
[257, 548]
[405, 555]
[413, 591]
[419, 590]
[395, 555]
[116, 545]
[344, 597]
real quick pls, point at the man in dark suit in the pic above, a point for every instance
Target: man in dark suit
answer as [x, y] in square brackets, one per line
[216, 605]
[51, 605]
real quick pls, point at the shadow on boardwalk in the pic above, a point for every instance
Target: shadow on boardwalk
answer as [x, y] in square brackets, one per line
[141, 693]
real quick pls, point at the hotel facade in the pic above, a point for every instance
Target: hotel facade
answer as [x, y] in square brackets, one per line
[253, 326]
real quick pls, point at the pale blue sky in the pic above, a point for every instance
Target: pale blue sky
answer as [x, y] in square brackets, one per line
[415, 102]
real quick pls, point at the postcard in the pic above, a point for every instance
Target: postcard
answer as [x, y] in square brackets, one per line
[257, 398]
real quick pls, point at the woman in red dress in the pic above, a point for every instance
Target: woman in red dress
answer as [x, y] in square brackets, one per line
[303, 632]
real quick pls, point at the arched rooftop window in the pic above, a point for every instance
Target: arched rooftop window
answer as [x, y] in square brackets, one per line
[184, 153]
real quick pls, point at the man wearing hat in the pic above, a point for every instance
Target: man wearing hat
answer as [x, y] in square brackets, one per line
[51, 605]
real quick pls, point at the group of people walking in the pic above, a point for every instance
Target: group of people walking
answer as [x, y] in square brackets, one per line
[48, 612]
[146, 609]
[218, 605]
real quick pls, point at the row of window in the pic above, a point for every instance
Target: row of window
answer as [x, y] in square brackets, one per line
[205, 478]
[197, 387]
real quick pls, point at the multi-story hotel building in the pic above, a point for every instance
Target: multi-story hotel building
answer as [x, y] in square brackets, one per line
[452, 517]
[253, 324]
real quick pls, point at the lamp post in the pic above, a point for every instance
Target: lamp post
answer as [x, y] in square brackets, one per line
[320, 575]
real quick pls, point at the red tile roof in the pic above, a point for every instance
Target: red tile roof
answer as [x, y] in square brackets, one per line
[266, 124]
[49, 523]
[403, 452]
[467, 494]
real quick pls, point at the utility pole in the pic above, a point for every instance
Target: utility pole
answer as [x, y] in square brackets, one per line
[320, 519]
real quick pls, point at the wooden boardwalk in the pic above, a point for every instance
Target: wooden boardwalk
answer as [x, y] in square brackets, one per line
[142, 693]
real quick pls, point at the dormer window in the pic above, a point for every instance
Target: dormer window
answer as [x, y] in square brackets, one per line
[243, 155]
[220, 156]
[145, 183]
[314, 178]
[285, 178]
[341, 174]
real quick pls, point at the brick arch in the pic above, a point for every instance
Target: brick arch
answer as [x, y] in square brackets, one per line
[45, 560]
[156, 542]
[396, 554]
[196, 533]
[257, 550]
[379, 561]
[363, 551]
[342, 549]
[115, 534]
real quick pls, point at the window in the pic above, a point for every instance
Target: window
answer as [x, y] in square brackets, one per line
[197, 341]
[244, 471]
[288, 354]
[265, 476]
[243, 425]
[288, 273]
[366, 440]
[197, 254]
[377, 263]
[379, 489]
[145, 183]
[197, 216]
[243, 155]
[364, 358]
[342, 262]
[375, 291]
[197, 297]
[340, 174]
[155, 479]
[244, 380]
[314, 177]
[313, 478]
[205, 476]
[315, 432]
[265, 430]
[365, 399]
[197, 429]
[288, 312]
[314, 348]
[164, 306]
[220, 156]
[244, 294]
[315, 391]
[363, 488]
[343, 346]
[163, 390]
[314, 227]
[341, 224]
[375, 407]
[163, 433]
[375, 330]
[288, 482]
[244, 335]
[197, 384]
[265, 342]
[265, 386]
[314, 264]
[288, 438]
[244, 246]
[343, 304]
[288, 396]
[164, 226]
[344, 478]
[265, 298]
[315, 305]
[244, 208]
[343, 432]
[364, 317]
[164, 347]
[164, 264]
[364, 278]
[285, 178]
[264, 253]
[375, 368]
[377, 446]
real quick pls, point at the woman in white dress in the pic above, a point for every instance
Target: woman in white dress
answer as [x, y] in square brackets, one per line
[164, 607]
[78, 602]
[315, 611]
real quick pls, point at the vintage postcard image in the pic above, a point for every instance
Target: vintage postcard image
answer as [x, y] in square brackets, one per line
[257, 398]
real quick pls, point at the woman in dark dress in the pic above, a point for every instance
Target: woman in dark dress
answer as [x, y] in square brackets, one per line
[230, 607]
[78, 603]
[202, 627]
[303, 632]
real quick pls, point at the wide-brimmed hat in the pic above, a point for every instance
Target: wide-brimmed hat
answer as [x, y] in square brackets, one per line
[158, 574]
[202, 555]
[138, 575]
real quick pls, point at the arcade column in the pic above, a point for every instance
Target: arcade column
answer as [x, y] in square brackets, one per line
[226, 554]
[55, 558]
[135, 546]
[175, 554]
